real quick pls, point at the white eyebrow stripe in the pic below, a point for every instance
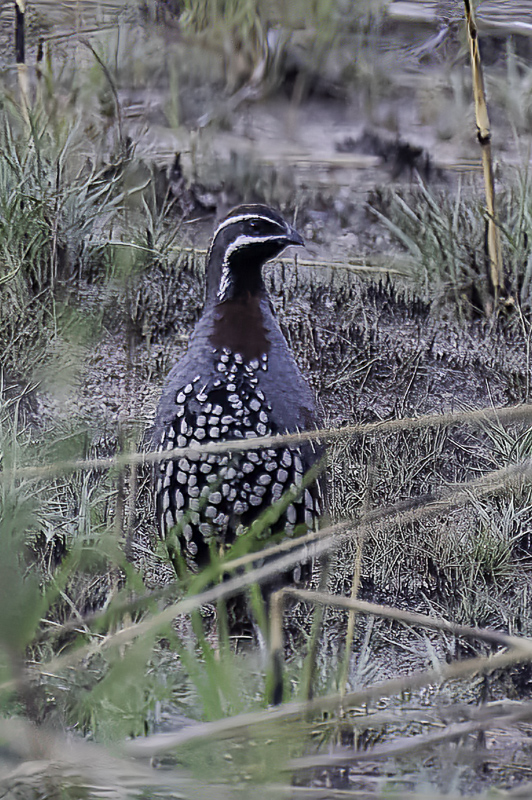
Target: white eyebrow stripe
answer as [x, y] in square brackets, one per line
[242, 240]
[243, 218]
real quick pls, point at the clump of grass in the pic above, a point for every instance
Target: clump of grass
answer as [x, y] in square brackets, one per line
[444, 234]
[157, 284]
[512, 90]
[50, 212]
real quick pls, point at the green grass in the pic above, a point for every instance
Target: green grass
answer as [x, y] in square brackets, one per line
[443, 233]
[50, 210]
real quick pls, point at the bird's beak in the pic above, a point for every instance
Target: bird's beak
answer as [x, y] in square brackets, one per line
[293, 237]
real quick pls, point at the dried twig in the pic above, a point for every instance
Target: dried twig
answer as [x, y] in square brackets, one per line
[411, 618]
[331, 539]
[313, 545]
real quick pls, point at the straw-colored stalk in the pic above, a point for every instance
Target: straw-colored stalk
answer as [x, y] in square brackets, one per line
[484, 138]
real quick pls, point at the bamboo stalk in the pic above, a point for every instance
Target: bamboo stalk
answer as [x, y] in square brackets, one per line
[484, 138]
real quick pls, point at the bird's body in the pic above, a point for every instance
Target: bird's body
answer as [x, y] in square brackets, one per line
[238, 380]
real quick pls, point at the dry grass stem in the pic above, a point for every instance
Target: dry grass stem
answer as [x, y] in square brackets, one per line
[410, 618]
[377, 264]
[408, 745]
[503, 415]
[355, 585]
[91, 767]
[159, 743]
[276, 646]
[317, 793]
[22, 69]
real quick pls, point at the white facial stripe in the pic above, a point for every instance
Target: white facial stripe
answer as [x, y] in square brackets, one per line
[225, 282]
[240, 242]
[243, 218]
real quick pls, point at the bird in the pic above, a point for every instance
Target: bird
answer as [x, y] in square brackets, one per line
[237, 380]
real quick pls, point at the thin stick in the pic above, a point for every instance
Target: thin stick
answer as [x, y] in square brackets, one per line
[325, 541]
[333, 539]
[276, 647]
[120, 485]
[484, 138]
[377, 264]
[116, 98]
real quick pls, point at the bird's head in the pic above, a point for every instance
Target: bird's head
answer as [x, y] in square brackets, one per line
[249, 236]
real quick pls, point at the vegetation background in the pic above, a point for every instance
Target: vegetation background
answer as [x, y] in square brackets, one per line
[126, 131]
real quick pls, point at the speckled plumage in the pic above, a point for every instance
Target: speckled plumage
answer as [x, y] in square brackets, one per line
[238, 380]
